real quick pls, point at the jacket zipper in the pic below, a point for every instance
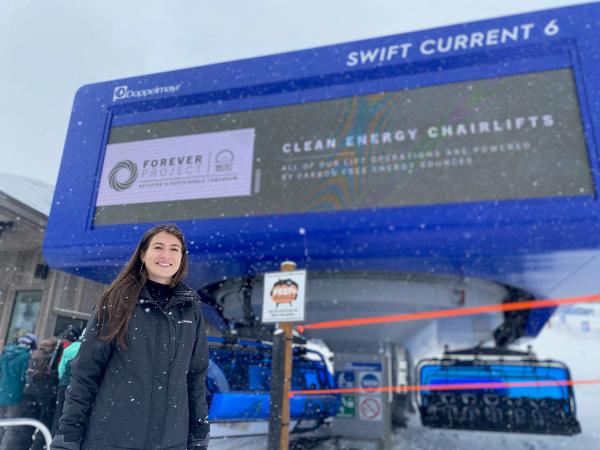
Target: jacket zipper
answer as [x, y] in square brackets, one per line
[172, 336]
[153, 379]
[155, 357]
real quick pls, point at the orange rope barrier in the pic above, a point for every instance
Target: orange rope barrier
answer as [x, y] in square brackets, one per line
[455, 312]
[446, 387]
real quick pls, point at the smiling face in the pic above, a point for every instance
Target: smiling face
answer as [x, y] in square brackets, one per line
[163, 257]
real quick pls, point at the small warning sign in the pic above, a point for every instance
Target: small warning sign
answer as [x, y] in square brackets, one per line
[370, 407]
[283, 297]
[347, 407]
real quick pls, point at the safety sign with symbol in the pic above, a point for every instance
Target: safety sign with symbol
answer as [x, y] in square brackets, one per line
[345, 379]
[348, 407]
[369, 379]
[370, 407]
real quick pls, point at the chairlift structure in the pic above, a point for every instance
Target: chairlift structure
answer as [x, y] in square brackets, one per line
[430, 170]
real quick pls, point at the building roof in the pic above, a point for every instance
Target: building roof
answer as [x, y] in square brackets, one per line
[34, 193]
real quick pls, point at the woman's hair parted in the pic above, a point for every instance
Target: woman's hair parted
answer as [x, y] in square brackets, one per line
[116, 305]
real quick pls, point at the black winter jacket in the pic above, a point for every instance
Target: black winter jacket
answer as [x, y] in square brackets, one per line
[151, 395]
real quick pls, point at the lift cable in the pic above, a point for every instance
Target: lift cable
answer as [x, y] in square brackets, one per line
[447, 387]
[454, 312]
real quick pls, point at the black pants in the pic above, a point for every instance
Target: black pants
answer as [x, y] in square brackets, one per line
[40, 408]
[10, 412]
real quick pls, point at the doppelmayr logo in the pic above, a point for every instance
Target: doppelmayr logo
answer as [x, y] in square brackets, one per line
[123, 92]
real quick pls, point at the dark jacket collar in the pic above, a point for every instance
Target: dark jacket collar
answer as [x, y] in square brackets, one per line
[181, 294]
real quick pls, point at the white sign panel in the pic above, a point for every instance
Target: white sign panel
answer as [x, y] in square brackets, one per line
[198, 166]
[370, 407]
[283, 298]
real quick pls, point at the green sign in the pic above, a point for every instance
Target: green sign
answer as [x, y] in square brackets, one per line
[348, 408]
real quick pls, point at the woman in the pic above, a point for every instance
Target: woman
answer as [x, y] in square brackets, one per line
[138, 381]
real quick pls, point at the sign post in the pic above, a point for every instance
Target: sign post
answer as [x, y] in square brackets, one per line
[283, 302]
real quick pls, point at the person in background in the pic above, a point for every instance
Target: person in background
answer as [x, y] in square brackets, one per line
[139, 378]
[39, 392]
[67, 337]
[13, 368]
[64, 374]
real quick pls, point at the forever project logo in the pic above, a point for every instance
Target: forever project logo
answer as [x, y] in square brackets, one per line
[116, 178]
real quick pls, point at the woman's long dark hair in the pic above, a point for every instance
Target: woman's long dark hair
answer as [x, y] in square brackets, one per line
[115, 306]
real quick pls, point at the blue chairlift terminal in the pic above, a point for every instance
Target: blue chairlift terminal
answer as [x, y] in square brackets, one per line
[430, 170]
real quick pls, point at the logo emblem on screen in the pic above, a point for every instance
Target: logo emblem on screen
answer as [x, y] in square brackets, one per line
[224, 161]
[126, 166]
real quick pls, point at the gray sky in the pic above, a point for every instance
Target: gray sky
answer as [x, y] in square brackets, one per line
[50, 48]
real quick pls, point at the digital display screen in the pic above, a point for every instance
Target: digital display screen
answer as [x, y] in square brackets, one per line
[512, 137]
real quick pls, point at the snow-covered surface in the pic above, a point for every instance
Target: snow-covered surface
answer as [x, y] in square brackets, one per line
[31, 192]
[580, 352]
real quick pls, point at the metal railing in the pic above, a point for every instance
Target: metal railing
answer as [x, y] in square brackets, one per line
[23, 421]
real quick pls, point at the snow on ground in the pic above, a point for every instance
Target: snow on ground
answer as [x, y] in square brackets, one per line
[250, 443]
[579, 351]
[416, 438]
